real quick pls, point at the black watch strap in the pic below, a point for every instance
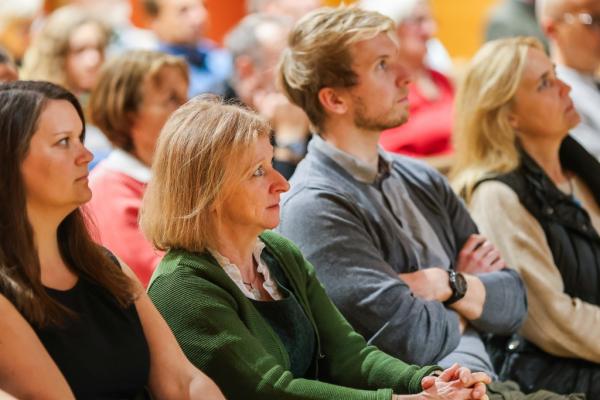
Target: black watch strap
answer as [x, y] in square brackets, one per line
[458, 284]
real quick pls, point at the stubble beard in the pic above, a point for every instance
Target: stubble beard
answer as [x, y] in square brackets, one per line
[377, 122]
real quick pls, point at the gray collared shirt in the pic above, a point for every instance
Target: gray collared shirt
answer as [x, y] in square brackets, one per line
[360, 227]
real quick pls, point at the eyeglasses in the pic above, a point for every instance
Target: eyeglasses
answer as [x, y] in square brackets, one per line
[590, 21]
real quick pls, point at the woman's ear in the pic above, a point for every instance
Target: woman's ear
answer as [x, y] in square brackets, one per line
[333, 101]
[513, 120]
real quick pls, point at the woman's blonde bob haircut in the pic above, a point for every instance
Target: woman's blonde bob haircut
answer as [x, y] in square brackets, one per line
[118, 93]
[203, 151]
[485, 142]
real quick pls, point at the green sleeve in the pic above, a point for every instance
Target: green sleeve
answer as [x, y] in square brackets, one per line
[205, 321]
[349, 360]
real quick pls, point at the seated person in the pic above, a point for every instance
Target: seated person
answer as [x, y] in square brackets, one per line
[242, 301]
[179, 26]
[395, 248]
[256, 43]
[428, 132]
[71, 315]
[573, 30]
[69, 51]
[131, 116]
[535, 192]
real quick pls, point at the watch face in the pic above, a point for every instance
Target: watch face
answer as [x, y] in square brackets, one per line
[461, 284]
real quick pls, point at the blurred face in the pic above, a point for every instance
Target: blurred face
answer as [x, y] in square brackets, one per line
[55, 169]
[413, 34]
[8, 73]
[253, 204]
[379, 100]
[85, 57]
[162, 94]
[542, 105]
[577, 33]
[180, 21]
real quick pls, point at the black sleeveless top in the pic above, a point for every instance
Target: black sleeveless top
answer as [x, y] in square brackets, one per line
[102, 352]
[289, 321]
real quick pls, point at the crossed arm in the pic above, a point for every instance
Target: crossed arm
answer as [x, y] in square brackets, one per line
[477, 256]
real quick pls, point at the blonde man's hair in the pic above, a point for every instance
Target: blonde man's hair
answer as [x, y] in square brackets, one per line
[119, 91]
[203, 151]
[46, 57]
[485, 141]
[318, 54]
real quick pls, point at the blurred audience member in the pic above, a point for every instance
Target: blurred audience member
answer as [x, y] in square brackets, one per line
[69, 51]
[514, 18]
[179, 26]
[117, 15]
[8, 69]
[16, 18]
[135, 94]
[428, 131]
[294, 9]
[535, 192]
[573, 28]
[75, 322]
[256, 44]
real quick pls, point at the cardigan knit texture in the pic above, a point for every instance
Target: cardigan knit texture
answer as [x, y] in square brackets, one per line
[222, 333]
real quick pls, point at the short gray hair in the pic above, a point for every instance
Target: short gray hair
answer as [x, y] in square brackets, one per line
[244, 39]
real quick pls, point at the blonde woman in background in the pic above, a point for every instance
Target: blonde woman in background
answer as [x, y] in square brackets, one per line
[535, 192]
[68, 51]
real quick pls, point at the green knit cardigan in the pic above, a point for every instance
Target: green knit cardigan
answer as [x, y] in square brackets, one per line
[223, 334]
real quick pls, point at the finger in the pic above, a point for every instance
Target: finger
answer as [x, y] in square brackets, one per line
[481, 377]
[428, 382]
[449, 374]
[499, 263]
[482, 251]
[492, 257]
[464, 374]
[479, 391]
[472, 243]
[470, 379]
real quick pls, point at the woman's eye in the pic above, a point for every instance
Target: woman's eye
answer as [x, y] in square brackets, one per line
[63, 142]
[260, 171]
[382, 64]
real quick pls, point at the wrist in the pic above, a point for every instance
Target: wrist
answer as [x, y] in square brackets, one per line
[458, 287]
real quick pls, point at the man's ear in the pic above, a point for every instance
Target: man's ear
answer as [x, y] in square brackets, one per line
[548, 26]
[244, 67]
[333, 101]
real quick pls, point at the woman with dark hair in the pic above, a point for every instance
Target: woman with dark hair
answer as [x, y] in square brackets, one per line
[69, 311]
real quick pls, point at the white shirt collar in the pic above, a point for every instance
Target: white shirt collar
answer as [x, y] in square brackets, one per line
[234, 273]
[120, 161]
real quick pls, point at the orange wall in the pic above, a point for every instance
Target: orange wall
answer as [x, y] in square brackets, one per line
[461, 24]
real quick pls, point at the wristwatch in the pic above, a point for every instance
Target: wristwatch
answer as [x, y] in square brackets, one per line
[458, 284]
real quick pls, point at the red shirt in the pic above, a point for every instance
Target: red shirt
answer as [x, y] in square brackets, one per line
[114, 209]
[428, 131]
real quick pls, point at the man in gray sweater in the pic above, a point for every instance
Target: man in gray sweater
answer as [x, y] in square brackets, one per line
[395, 248]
